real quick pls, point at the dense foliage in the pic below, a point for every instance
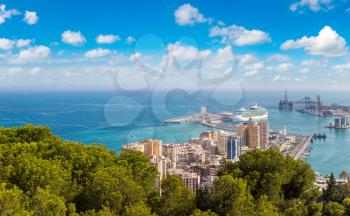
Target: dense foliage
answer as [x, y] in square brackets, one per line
[40, 174]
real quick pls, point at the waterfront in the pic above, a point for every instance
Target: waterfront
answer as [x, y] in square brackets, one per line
[84, 117]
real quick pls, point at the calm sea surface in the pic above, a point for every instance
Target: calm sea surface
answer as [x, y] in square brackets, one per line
[112, 119]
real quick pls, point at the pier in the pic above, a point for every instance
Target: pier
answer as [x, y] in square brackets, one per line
[212, 120]
[312, 106]
[297, 151]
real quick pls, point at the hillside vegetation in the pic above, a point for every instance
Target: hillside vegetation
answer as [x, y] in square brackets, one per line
[41, 174]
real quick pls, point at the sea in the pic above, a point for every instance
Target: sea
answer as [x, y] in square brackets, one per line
[113, 118]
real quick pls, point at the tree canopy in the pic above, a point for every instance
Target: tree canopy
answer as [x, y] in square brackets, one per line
[41, 174]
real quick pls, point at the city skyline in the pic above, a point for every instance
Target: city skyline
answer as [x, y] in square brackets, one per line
[136, 45]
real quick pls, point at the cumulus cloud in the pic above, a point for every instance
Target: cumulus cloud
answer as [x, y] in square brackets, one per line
[280, 78]
[223, 58]
[97, 53]
[284, 67]
[135, 57]
[250, 64]
[239, 36]
[186, 14]
[327, 43]
[107, 39]
[73, 38]
[314, 63]
[342, 68]
[35, 70]
[30, 17]
[313, 5]
[130, 40]
[182, 52]
[278, 57]
[31, 54]
[6, 14]
[23, 42]
[6, 44]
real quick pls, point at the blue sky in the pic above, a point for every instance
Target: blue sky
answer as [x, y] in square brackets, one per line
[88, 45]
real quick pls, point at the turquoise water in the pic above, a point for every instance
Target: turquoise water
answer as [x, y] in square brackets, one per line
[112, 119]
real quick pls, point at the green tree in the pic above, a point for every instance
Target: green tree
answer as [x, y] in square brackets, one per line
[231, 196]
[30, 172]
[264, 207]
[105, 211]
[138, 209]
[12, 200]
[142, 171]
[270, 173]
[344, 175]
[333, 209]
[346, 204]
[46, 203]
[296, 207]
[114, 188]
[333, 193]
[315, 208]
[198, 212]
[176, 199]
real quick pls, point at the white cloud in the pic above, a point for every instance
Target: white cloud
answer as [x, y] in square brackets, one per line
[73, 38]
[240, 36]
[304, 70]
[278, 57]
[6, 14]
[250, 64]
[222, 59]
[135, 57]
[186, 14]
[313, 5]
[284, 67]
[107, 39]
[97, 53]
[279, 78]
[182, 52]
[30, 17]
[327, 43]
[342, 68]
[15, 70]
[130, 40]
[31, 54]
[6, 44]
[23, 42]
[314, 63]
[35, 70]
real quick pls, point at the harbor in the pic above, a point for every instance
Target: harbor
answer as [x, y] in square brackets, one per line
[314, 107]
[217, 120]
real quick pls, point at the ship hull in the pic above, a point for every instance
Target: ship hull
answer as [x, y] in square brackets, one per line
[240, 118]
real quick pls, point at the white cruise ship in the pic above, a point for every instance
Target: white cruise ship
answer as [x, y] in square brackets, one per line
[254, 113]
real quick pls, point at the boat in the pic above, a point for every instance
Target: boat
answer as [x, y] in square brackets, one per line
[255, 113]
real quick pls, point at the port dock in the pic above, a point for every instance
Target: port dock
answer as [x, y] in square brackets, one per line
[299, 149]
[313, 107]
[213, 120]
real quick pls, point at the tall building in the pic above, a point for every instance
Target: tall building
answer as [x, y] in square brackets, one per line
[162, 167]
[241, 131]
[152, 148]
[253, 135]
[250, 134]
[222, 143]
[233, 147]
[191, 180]
[212, 135]
[264, 133]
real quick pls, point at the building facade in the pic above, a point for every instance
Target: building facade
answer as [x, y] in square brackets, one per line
[233, 147]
